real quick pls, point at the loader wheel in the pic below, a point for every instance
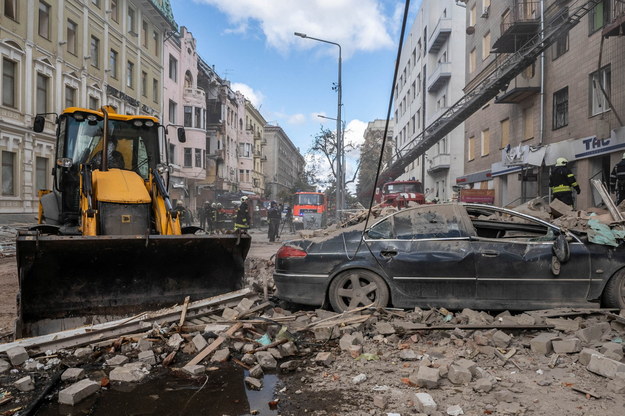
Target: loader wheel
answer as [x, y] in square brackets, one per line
[614, 291]
[355, 288]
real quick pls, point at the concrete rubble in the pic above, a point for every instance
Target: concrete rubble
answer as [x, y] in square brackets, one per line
[421, 361]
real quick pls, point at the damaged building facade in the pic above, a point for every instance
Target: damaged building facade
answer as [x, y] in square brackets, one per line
[568, 103]
[58, 54]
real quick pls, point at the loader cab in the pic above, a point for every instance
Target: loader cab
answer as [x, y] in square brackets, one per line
[80, 142]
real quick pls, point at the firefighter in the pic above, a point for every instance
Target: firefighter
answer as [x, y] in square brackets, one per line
[274, 216]
[617, 180]
[242, 221]
[562, 182]
[203, 212]
[183, 214]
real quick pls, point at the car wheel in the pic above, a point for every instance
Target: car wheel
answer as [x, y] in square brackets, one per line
[354, 288]
[614, 291]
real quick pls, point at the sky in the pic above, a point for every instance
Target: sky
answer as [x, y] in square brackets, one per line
[252, 44]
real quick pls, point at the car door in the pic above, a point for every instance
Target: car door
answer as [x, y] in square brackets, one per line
[513, 261]
[426, 254]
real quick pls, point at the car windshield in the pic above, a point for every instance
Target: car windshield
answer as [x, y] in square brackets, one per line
[310, 199]
[137, 145]
[393, 188]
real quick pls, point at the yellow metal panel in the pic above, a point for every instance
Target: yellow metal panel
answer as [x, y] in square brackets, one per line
[121, 186]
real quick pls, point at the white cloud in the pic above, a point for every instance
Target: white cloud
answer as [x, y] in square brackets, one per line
[255, 97]
[297, 119]
[355, 24]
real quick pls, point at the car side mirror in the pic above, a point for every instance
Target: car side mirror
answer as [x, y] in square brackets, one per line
[182, 137]
[561, 248]
[39, 124]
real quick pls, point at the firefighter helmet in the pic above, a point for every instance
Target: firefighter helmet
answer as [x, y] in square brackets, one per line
[561, 161]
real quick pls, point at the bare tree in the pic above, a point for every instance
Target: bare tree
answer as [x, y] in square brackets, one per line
[324, 148]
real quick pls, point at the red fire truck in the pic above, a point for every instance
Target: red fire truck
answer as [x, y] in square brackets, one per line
[400, 193]
[309, 203]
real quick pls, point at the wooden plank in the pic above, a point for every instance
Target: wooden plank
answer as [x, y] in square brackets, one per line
[266, 347]
[215, 344]
[183, 314]
[607, 200]
[100, 332]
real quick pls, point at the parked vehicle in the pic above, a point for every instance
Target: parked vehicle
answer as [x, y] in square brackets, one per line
[452, 255]
[308, 208]
[399, 193]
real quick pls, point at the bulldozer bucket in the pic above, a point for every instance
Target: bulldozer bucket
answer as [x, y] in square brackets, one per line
[69, 281]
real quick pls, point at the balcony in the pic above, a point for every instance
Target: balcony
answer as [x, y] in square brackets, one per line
[194, 94]
[440, 77]
[441, 33]
[439, 162]
[518, 25]
[524, 86]
[616, 27]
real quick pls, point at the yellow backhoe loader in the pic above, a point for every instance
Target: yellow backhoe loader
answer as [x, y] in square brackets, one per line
[109, 243]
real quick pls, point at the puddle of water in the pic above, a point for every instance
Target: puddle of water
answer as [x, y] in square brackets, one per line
[222, 393]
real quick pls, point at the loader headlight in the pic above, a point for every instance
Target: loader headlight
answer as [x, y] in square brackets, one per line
[65, 162]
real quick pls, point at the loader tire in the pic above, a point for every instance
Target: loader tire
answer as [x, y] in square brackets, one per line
[614, 291]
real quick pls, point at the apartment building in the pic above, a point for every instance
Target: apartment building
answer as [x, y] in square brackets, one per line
[255, 125]
[431, 78]
[563, 105]
[57, 54]
[284, 165]
[186, 106]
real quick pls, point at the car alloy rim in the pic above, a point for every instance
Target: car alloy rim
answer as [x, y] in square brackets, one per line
[358, 294]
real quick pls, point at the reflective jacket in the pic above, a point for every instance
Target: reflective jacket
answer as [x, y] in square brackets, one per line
[617, 177]
[562, 180]
[243, 217]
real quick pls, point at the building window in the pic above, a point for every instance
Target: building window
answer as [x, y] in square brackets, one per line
[188, 157]
[144, 83]
[155, 38]
[130, 74]
[599, 16]
[70, 96]
[561, 108]
[96, 3]
[113, 63]
[8, 173]
[173, 68]
[9, 72]
[172, 111]
[198, 158]
[198, 117]
[528, 123]
[44, 20]
[130, 20]
[505, 133]
[10, 9]
[71, 37]
[472, 60]
[188, 116]
[172, 153]
[94, 103]
[486, 46]
[485, 7]
[155, 90]
[473, 15]
[485, 142]
[600, 83]
[41, 173]
[471, 153]
[95, 51]
[114, 11]
[42, 94]
[144, 33]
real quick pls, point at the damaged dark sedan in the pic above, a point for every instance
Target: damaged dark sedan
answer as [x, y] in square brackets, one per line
[452, 255]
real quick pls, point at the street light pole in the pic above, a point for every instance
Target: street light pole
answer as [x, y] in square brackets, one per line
[340, 154]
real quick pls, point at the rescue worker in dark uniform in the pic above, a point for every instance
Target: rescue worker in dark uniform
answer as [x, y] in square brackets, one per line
[242, 222]
[203, 214]
[562, 182]
[274, 216]
[617, 180]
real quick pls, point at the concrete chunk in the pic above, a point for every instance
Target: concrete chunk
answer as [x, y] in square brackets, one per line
[200, 342]
[425, 403]
[174, 341]
[145, 344]
[483, 385]
[194, 370]
[426, 377]
[82, 352]
[253, 383]
[256, 371]
[128, 373]
[72, 374]
[266, 360]
[562, 324]
[221, 356]
[324, 358]
[542, 343]
[586, 354]
[288, 349]
[567, 346]
[77, 392]
[4, 366]
[459, 375]
[25, 384]
[244, 305]
[501, 339]
[593, 332]
[605, 366]
[17, 355]
[384, 328]
[117, 361]
[147, 357]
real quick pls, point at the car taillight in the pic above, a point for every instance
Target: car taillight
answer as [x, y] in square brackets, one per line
[286, 252]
